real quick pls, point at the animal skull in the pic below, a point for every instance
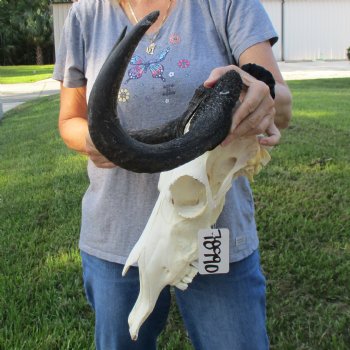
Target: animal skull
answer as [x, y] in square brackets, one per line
[196, 175]
[191, 197]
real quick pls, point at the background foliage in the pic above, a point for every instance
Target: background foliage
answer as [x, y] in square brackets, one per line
[26, 35]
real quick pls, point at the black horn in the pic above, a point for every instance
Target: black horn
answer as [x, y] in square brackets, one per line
[166, 147]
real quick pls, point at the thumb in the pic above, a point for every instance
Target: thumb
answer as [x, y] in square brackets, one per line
[214, 75]
[212, 79]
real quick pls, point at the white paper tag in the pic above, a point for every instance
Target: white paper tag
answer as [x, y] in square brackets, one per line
[213, 249]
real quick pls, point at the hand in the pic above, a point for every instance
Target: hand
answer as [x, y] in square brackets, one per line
[255, 115]
[98, 159]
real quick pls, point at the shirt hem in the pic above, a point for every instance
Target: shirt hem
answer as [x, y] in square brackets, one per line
[242, 254]
[103, 255]
[234, 257]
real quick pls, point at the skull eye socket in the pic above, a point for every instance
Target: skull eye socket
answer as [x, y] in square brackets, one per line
[188, 196]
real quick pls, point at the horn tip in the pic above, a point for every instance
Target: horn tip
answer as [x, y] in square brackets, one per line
[152, 17]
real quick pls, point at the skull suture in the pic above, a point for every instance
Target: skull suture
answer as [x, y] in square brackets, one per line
[191, 197]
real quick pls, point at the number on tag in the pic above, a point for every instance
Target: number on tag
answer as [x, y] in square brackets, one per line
[213, 251]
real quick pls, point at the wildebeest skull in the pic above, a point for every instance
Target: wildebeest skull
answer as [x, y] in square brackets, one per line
[197, 173]
[191, 198]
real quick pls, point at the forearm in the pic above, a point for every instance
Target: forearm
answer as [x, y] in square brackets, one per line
[262, 55]
[73, 132]
[72, 123]
[283, 105]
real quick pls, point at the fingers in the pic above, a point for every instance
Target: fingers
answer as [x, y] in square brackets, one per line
[273, 136]
[96, 157]
[256, 103]
[101, 162]
[256, 123]
[261, 121]
[215, 74]
[249, 128]
[227, 140]
[256, 113]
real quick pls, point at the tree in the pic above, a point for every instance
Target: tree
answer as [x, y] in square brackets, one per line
[38, 27]
[26, 32]
[7, 34]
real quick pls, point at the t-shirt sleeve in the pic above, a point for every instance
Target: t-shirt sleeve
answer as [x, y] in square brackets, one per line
[242, 24]
[70, 59]
[247, 25]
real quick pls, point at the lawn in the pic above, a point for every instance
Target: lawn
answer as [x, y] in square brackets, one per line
[302, 210]
[24, 74]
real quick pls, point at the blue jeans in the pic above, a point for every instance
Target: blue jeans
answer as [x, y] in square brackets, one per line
[221, 312]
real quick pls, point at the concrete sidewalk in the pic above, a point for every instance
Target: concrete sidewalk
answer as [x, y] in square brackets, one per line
[315, 70]
[11, 95]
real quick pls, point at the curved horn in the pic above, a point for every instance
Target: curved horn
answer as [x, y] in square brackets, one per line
[166, 147]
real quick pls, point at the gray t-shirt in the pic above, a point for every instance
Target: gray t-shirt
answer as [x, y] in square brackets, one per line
[198, 36]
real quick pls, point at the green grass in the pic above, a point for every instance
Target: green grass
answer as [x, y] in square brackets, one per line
[24, 74]
[302, 208]
[303, 214]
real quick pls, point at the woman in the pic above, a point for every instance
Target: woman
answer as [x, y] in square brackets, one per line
[193, 41]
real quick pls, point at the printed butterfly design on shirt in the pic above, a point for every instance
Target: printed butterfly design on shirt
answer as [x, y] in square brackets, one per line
[141, 66]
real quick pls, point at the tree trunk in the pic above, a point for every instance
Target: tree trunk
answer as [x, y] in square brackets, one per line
[39, 55]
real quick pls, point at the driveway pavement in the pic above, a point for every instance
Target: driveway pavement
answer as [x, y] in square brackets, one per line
[11, 95]
[315, 70]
